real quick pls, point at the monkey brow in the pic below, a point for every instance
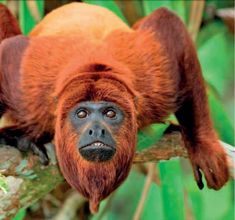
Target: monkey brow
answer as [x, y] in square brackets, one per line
[87, 77]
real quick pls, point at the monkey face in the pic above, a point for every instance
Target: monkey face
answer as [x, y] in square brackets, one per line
[97, 123]
[95, 139]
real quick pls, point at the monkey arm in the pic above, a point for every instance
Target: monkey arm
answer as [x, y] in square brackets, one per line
[8, 24]
[190, 105]
[11, 53]
[8, 28]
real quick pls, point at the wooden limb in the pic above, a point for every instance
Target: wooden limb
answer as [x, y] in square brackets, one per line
[107, 206]
[143, 169]
[23, 180]
[70, 207]
[33, 8]
[195, 19]
[139, 209]
[169, 146]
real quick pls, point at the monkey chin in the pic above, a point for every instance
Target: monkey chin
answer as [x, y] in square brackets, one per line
[94, 180]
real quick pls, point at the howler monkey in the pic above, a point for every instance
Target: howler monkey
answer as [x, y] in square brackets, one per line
[86, 79]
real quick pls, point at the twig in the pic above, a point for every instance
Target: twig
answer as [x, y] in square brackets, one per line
[107, 206]
[195, 19]
[141, 168]
[33, 8]
[139, 209]
[70, 207]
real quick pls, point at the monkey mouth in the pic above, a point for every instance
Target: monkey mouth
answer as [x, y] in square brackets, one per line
[97, 144]
[97, 151]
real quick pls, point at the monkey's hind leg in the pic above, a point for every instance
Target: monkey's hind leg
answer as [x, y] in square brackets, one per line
[16, 137]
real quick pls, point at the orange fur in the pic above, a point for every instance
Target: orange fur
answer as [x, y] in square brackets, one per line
[90, 21]
[150, 71]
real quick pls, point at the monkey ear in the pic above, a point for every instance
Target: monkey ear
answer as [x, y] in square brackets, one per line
[8, 24]
[11, 54]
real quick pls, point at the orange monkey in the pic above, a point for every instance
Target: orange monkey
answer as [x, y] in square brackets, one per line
[85, 78]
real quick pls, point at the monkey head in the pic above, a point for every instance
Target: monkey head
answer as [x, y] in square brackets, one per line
[95, 134]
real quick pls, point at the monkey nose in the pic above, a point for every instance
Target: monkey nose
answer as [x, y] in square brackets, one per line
[97, 131]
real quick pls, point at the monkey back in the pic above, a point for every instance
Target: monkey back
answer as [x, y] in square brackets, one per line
[91, 21]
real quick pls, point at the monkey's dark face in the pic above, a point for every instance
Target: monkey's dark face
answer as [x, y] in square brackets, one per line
[97, 123]
[95, 137]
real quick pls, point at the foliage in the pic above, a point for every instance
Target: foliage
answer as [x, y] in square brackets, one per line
[27, 20]
[3, 184]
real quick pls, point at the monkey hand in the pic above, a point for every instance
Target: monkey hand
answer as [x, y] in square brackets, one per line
[210, 158]
[15, 137]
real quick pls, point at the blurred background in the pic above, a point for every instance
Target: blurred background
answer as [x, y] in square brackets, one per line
[167, 190]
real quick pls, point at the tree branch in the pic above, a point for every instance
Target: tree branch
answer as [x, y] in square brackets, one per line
[147, 185]
[24, 180]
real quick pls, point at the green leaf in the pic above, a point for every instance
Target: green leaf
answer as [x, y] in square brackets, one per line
[218, 203]
[20, 215]
[3, 184]
[3, 1]
[220, 4]
[153, 204]
[220, 118]
[109, 4]
[27, 21]
[179, 7]
[207, 203]
[172, 189]
[207, 32]
[216, 58]
[150, 6]
[153, 133]
[216, 55]
[150, 135]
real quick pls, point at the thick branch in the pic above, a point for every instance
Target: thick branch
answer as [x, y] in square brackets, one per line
[169, 146]
[27, 180]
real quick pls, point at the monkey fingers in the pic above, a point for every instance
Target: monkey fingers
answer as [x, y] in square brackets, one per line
[15, 137]
[214, 166]
[198, 177]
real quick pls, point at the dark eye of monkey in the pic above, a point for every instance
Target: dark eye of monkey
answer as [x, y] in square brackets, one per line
[110, 113]
[82, 113]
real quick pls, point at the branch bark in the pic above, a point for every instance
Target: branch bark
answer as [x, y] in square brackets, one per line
[26, 180]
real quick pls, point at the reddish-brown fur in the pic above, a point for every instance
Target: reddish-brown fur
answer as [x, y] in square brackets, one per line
[150, 71]
[8, 24]
[8, 28]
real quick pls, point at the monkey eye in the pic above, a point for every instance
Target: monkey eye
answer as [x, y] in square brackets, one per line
[110, 113]
[82, 113]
